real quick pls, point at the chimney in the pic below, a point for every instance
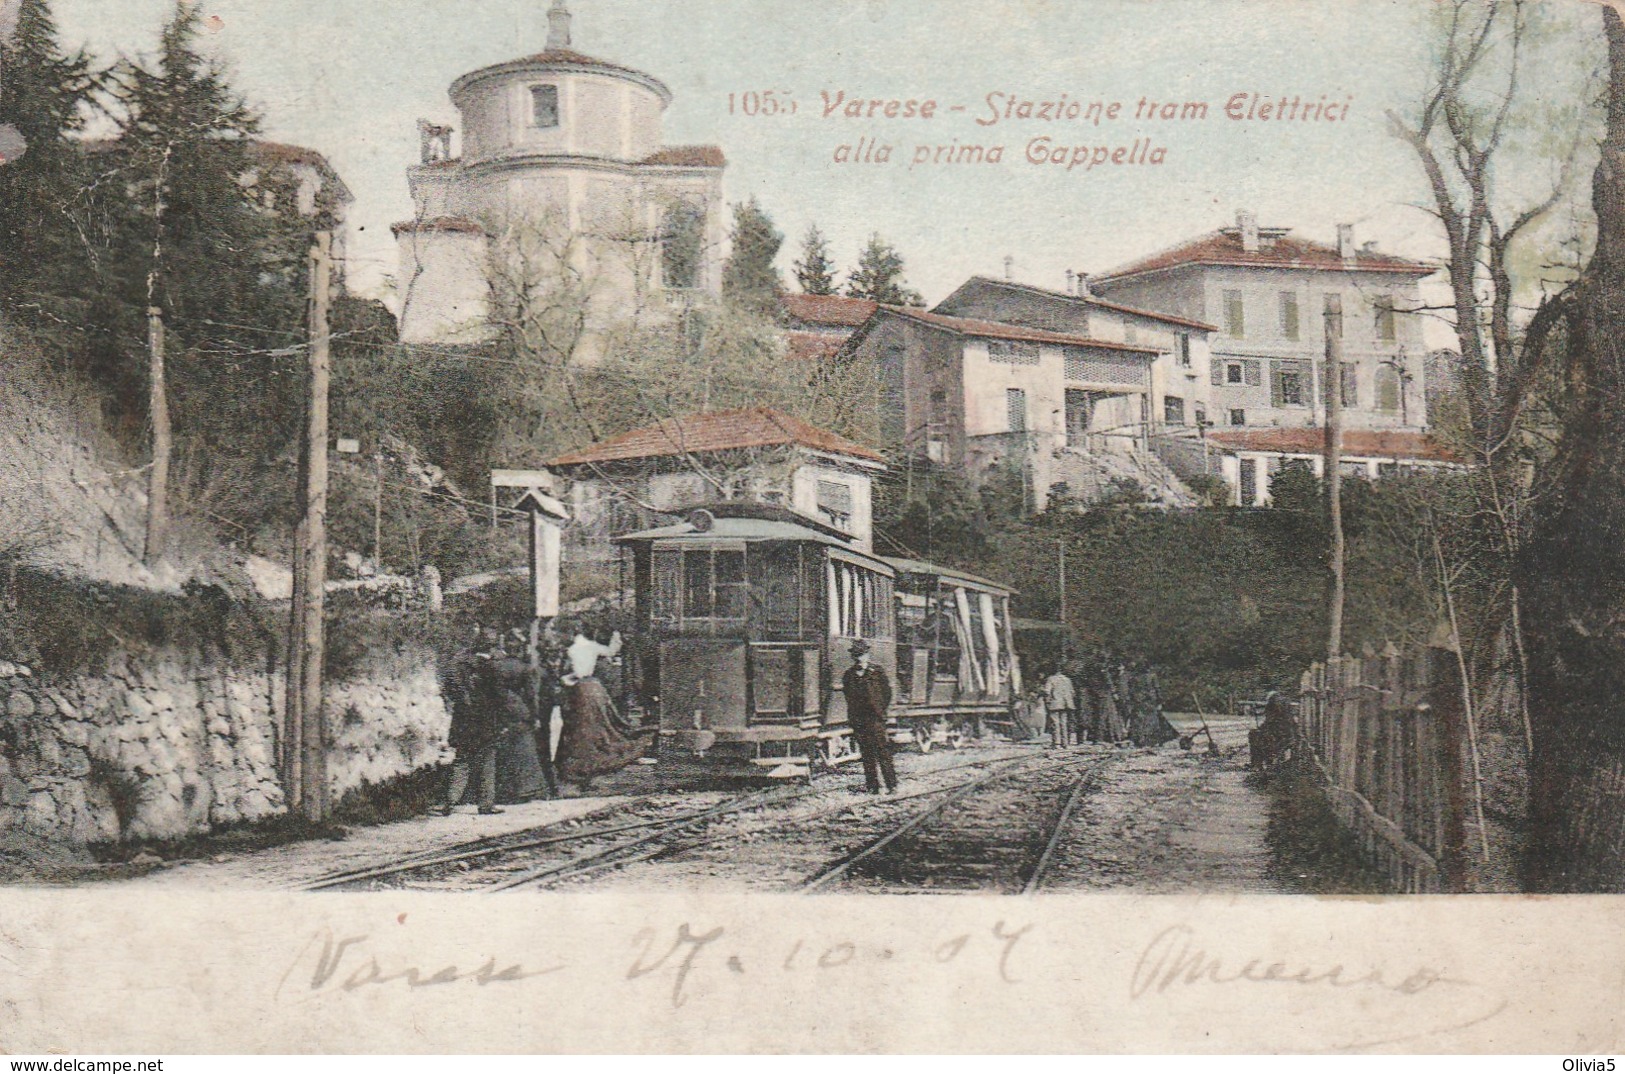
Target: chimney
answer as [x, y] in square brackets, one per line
[1345, 241]
[1083, 284]
[1009, 266]
[1247, 224]
[1069, 284]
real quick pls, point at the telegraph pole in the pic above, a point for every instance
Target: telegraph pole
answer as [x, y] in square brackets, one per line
[306, 733]
[1334, 472]
[1060, 553]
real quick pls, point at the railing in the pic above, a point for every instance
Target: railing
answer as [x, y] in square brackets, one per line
[1384, 735]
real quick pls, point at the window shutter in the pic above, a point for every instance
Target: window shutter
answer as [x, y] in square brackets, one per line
[1252, 373]
[1218, 371]
[1351, 385]
[1277, 393]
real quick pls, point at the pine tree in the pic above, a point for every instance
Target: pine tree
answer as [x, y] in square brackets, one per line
[815, 272]
[190, 235]
[41, 93]
[749, 279]
[879, 276]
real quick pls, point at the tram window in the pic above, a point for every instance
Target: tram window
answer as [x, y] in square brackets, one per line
[732, 591]
[714, 584]
[775, 581]
[697, 602]
[668, 572]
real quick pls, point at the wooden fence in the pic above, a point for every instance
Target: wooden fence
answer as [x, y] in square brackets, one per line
[1387, 738]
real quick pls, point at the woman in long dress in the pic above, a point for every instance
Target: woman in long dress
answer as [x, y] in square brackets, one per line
[521, 775]
[595, 741]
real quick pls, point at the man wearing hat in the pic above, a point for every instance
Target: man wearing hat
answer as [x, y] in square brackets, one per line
[868, 697]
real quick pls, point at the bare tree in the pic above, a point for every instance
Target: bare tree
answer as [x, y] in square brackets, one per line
[1488, 111]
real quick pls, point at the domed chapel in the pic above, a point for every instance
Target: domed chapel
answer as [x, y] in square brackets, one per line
[562, 173]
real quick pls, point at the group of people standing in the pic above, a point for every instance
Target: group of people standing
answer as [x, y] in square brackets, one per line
[1106, 702]
[502, 703]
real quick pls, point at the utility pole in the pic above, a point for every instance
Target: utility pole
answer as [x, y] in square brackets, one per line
[158, 415]
[1060, 555]
[306, 733]
[1334, 471]
[378, 511]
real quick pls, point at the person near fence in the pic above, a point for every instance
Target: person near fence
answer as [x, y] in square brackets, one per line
[1270, 743]
[868, 698]
[595, 740]
[1060, 702]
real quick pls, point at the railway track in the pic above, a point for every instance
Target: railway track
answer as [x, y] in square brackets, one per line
[506, 862]
[982, 836]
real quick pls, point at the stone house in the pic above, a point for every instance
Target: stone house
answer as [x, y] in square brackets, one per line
[562, 162]
[1266, 288]
[638, 479]
[1179, 372]
[978, 395]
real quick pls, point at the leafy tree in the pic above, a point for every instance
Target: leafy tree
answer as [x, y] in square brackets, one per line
[879, 276]
[815, 272]
[42, 95]
[183, 228]
[749, 278]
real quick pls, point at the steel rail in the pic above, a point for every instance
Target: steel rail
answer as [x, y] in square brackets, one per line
[481, 848]
[594, 859]
[1083, 783]
[840, 868]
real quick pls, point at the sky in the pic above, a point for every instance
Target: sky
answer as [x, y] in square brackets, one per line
[351, 78]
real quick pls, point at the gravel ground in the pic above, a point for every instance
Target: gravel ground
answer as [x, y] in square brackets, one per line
[1157, 820]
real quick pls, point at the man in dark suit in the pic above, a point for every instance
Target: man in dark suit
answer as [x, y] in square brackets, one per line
[868, 697]
[475, 725]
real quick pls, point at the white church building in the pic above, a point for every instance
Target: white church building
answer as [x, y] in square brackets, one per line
[561, 170]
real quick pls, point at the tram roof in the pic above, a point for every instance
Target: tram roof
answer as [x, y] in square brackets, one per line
[753, 529]
[919, 566]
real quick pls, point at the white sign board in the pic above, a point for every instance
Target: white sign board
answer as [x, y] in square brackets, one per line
[524, 479]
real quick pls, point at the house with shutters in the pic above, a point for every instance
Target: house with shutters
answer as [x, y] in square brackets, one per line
[642, 477]
[1069, 411]
[1179, 396]
[1266, 289]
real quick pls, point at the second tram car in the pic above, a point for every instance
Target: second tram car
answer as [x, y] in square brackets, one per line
[745, 615]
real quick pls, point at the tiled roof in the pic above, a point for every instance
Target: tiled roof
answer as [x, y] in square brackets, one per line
[1224, 248]
[688, 156]
[994, 330]
[1361, 443]
[456, 224]
[1086, 300]
[814, 346]
[838, 310]
[718, 430]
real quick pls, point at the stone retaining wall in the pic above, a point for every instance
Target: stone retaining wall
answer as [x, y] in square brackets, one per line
[166, 746]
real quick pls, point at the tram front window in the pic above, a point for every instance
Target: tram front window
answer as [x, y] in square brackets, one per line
[714, 585]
